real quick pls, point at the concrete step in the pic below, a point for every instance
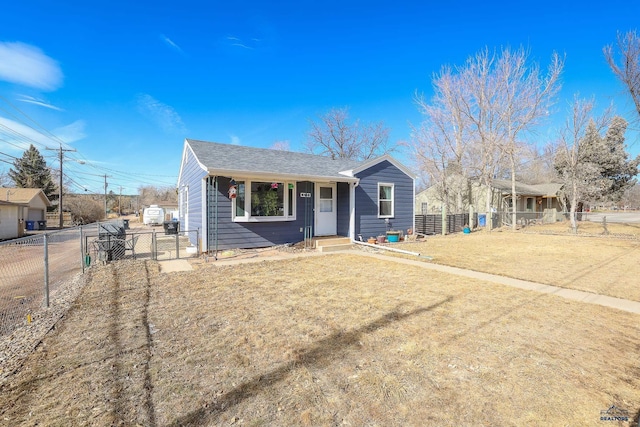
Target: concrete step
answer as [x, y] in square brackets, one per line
[334, 248]
[331, 241]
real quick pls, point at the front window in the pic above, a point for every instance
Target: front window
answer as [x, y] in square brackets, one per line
[264, 201]
[530, 202]
[267, 198]
[385, 200]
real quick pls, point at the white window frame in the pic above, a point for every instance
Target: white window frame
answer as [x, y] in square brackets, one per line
[184, 201]
[247, 217]
[393, 204]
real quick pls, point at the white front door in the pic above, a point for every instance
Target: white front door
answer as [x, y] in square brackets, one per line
[326, 218]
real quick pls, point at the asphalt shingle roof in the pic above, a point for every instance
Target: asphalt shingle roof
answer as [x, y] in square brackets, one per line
[227, 157]
[549, 189]
[20, 195]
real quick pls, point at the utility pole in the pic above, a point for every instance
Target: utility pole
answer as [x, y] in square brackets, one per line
[61, 156]
[106, 213]
[120, 203]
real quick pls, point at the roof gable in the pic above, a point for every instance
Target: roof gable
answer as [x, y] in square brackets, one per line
[23, 195]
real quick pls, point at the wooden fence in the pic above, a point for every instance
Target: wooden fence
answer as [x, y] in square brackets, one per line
[432, 224]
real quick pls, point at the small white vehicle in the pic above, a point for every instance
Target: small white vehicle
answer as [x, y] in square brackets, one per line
[153, 215]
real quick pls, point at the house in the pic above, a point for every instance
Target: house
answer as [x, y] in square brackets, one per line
[34, 200]
[532, 201]
[244, 197]
[11, 226]
[531, 198]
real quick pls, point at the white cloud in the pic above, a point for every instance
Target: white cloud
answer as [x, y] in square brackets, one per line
[235, 140]
[16, 137]
[171, 44]
[37, 101]
[236, 41]
[72, 132]
[161, 114]
[27, 65]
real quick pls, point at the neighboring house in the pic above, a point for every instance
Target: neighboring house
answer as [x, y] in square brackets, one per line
[11, 226]
[532, 199]
[34, 199]
[244, 197]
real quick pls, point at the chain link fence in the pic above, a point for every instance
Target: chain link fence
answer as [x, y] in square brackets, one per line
[34, 268]
[31, 269]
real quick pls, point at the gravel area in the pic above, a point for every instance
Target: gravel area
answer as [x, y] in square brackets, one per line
[14, 348]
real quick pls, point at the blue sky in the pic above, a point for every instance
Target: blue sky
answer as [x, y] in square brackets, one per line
[124, 82]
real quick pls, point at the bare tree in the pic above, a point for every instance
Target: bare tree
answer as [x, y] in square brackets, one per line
[149, 194]
[631, 196]
[85, 209]
[4, 179]
[281, 146]
[525, 97]
[574, 160]
[335, 136]
[537, 164]
[625, 63]
[440, 143]
[479, 114]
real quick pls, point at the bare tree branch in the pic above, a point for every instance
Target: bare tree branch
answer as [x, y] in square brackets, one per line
[334, 136]
[626, 64]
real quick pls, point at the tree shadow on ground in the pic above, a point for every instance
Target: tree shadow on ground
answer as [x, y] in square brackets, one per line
[320, 354]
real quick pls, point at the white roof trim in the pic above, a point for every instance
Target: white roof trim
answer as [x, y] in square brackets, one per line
[372, 162]
[184, 152]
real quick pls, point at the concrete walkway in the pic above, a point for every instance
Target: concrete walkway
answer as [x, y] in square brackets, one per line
[172, 265]
[572, 294]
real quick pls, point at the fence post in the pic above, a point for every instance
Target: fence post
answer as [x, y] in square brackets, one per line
[177, 246]
[154, 248]
[46, 271]
[82, 260]
[444, 220]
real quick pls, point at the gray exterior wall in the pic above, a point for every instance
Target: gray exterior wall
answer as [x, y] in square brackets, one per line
[367, 222]
[343, 214]
[192, 176]
[232, 235]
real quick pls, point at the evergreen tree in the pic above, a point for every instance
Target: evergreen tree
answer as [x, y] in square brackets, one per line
[617, 169]
[31, 171]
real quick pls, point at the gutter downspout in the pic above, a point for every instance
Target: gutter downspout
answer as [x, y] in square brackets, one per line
[352, 206]
[402, 251]
[215, 216]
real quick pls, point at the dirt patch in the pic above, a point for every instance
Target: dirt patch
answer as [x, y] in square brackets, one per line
[329, 340]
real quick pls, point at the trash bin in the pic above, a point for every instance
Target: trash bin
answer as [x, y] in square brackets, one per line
[125, 222]
[482, 220]
[42, 225]
[31, 225]
[171, 227]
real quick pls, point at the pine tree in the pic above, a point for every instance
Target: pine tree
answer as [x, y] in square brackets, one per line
[617, 169]
[31, 171]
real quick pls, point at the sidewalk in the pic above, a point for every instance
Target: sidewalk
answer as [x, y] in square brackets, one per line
[572, 294]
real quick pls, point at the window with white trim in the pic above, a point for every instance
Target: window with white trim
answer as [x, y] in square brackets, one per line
[184, 201]
[385, 200]
[264, 201]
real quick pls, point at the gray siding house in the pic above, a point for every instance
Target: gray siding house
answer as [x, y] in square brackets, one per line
[245, 197]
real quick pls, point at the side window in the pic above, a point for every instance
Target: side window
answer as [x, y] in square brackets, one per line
[385, 200]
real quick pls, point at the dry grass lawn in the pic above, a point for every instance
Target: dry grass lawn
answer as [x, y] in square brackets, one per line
[324, 341]
[588, 262]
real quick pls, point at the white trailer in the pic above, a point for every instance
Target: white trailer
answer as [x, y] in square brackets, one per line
[153, 215]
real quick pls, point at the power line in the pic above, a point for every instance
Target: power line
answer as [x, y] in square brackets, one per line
[61, 153]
